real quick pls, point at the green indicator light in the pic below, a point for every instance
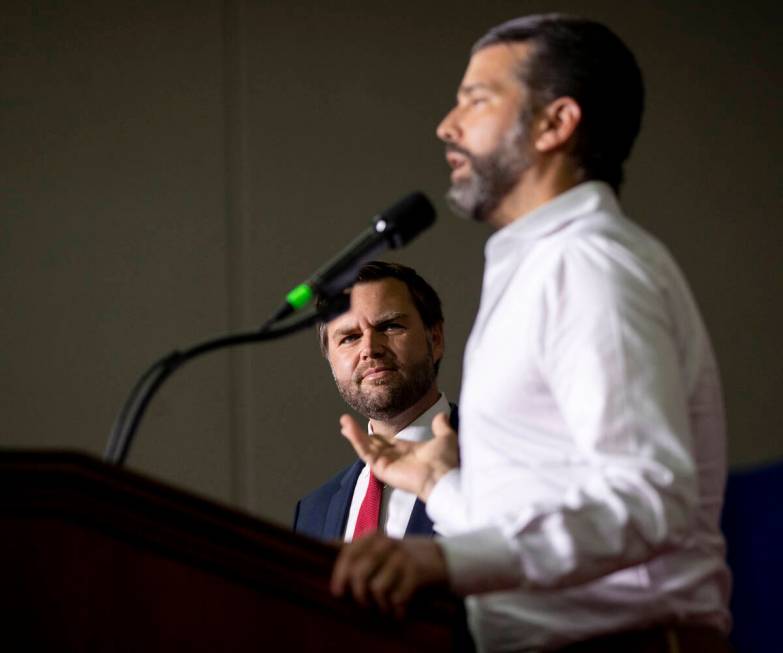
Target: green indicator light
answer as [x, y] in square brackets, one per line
[300, 296]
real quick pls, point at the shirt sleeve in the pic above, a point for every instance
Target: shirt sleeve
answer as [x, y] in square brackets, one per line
[446, 505]
[608, 351]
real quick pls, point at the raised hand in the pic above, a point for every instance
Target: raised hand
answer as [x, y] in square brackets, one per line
[411, 466]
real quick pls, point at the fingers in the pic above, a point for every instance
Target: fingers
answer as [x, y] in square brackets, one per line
[441, 427]
[366, 568]
[447, 445]
[356, 435]
[358, 563]
[376, 569]
[395, 583]
[388, 579]
[341, 574]
[376, 451]
[406, 587]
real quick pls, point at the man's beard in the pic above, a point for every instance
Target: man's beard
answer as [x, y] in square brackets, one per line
[388, 397]
[492, 176]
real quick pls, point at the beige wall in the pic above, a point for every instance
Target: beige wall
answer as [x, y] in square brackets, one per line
[170, 169]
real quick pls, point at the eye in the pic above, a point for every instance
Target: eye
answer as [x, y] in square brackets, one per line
[345, 340]
[392, 326]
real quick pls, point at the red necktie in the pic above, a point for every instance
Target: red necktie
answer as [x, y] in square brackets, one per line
[370, 510]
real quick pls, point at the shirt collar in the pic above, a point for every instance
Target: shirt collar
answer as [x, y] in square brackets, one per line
[584, 198]
[420, 429]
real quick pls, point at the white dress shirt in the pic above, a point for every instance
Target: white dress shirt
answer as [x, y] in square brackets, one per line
[592, 437]
[397, 505]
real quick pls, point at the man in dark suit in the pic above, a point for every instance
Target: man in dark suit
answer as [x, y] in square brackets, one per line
[384, 354]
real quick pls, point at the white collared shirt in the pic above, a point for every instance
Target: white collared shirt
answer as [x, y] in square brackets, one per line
[397, 505]
[591, 437]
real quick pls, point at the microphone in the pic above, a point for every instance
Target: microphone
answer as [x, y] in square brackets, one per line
[390, 229]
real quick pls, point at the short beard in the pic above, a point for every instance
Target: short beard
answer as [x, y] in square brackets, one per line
[399, 393]
[492, 176]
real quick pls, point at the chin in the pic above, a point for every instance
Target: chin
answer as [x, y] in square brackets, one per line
[465, 200]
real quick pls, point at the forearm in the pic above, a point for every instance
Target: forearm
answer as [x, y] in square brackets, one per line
[599, 527]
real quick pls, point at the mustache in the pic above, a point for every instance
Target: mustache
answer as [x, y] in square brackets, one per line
[452, 147]
[358, 375]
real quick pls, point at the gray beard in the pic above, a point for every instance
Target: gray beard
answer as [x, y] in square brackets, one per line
[493, 176]
[397, 394]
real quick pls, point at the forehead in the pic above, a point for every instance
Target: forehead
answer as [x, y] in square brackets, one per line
[495, 66]
[374, 300]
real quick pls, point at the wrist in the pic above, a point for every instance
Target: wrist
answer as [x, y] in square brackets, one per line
[436, 472]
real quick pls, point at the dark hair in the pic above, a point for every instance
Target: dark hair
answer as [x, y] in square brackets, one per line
[586, 61]
[424, 297]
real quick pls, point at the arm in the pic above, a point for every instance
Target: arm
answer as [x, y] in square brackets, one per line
[381, 570]
[609, 354]
[608, 351]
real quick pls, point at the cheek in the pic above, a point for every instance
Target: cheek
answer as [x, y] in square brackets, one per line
[342, 367]
[483, 143]
[410, 352]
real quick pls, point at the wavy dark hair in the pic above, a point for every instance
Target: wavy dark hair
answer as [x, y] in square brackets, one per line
[579, 58]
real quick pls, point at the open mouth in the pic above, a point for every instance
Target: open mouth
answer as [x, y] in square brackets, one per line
[458, 164]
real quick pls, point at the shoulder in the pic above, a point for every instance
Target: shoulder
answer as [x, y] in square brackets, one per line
[312, 509]
[333, 485]
[604, 253]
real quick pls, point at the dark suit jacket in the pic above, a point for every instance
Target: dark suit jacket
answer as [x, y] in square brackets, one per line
[322, 514]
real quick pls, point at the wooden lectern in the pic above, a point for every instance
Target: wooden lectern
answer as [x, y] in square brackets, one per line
[96, 558]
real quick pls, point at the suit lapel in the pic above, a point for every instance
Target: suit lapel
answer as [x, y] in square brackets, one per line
[340, 503]
[419, 523]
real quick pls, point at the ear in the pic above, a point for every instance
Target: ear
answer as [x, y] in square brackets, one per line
[438, 344]
[557, 123]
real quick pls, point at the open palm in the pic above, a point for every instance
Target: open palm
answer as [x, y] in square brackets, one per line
[411, 466]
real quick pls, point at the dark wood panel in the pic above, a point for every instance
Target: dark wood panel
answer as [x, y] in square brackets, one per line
[96, 558]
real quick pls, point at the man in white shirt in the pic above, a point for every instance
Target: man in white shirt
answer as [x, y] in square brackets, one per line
[384, 354]
[584, 513]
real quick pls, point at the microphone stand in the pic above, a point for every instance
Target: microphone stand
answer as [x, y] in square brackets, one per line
[129, 418]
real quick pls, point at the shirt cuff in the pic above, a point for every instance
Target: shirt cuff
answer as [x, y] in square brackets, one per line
[446, 506]
[480, 561]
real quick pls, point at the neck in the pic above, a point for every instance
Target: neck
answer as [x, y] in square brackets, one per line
[538, 185]
[390, 427]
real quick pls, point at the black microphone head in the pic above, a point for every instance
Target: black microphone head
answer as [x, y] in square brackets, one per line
[406, 219]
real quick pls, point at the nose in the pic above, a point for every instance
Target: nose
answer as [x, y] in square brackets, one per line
[448, 129]
[372, 344]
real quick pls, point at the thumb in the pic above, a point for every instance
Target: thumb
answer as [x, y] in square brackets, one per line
[441, 427]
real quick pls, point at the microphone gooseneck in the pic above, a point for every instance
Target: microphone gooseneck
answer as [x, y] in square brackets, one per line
[391, 229]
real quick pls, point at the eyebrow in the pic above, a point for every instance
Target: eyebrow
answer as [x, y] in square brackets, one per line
[382, 319]
[468, 89]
